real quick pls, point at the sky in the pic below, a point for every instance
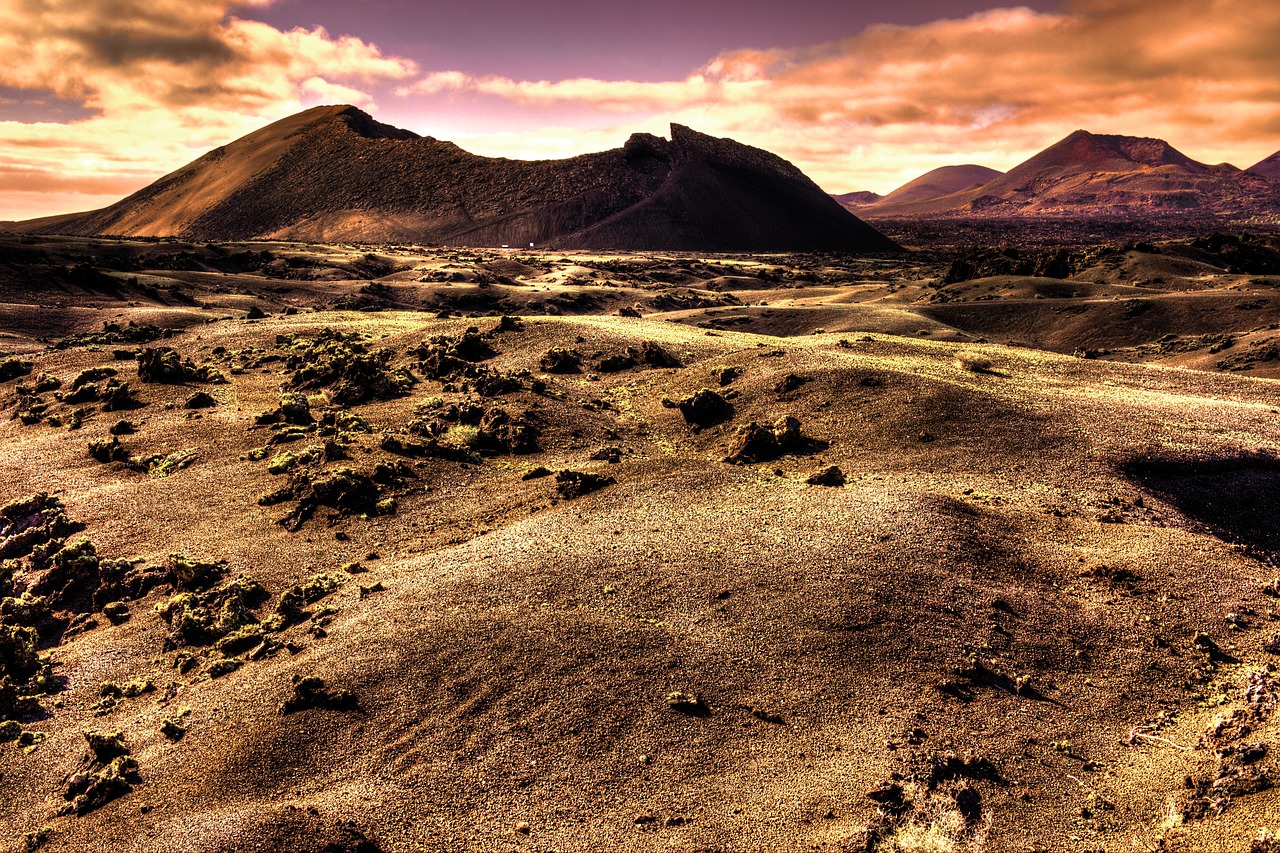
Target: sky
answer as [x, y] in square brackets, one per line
[100, 97]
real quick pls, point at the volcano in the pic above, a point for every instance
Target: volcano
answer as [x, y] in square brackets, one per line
[335, 174]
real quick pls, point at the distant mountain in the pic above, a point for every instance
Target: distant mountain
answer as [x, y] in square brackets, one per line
[941, 182]
[861, 198]
[1093, 175]
[1268, 168]
[333, 174]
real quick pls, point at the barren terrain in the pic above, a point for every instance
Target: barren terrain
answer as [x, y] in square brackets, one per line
[351, 548]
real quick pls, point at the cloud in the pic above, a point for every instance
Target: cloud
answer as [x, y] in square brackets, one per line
[872, 111]
[165, 80]
[168, 79]
[13, 180]
[624, 96]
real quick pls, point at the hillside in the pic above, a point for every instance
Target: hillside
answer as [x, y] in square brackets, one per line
[1268, 168]
[335, 174]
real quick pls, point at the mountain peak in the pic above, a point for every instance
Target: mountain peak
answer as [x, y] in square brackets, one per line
[353, 118]
[365, 125]
[1097, 150]
[683, 133]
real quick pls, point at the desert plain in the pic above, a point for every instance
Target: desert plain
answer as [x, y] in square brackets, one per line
[338, 547]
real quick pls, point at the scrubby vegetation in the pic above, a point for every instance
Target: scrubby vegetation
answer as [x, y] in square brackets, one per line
[116, 333]
[222, 615]
[973, 362]
[294, 409]
[471, 426]
[296, 599]
[109, 450]
[344, 364]
[344, 490]
[14, 368]
[166, 365]
[455, 361]
[49, 585]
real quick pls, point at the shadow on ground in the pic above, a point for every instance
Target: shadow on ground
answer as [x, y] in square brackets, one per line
[1234, 496]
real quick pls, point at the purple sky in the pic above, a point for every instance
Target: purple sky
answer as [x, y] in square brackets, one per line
[610, 39]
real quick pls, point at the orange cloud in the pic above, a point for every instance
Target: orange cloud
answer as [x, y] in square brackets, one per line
[166, 79]
[875, 110]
